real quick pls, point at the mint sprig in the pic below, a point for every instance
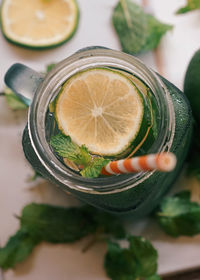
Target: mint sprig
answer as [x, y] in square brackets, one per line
[137, 31]
[65, 148]
[42, 222]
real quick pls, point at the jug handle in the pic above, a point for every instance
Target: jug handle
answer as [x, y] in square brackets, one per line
[24, 81]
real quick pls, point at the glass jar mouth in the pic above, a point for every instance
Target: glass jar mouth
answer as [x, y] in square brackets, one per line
[50, 86]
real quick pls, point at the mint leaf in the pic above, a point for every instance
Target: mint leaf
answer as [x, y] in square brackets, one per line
[57, 224]
[190, 6]
[50, 66]
[64, 147]
[13, 101]
[94, 167]
[156, 30]
[138, 32]
[136, 262]
[35, 176]
[179, 216]
[17, 249]
[130, 23]
[120, 264]
[145, 254]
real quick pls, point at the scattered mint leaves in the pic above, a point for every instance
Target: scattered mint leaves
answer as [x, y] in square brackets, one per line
[138, 32]
[190, 6]
[139, 261]
[17, 249]
[13, 101]
[65, 148]
[42, 222]
[93, 169]
[179, 216]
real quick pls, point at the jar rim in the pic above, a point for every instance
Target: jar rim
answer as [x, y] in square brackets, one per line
[51, 84]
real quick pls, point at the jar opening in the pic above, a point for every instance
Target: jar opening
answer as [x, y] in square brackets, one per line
[40, 126]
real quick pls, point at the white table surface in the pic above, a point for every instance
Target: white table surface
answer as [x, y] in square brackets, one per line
[50, 262]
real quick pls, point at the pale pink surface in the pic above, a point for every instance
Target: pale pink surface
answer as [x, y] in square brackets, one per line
[66, 261]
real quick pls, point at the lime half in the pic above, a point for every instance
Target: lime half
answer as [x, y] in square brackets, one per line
[39, 23]
[101, 109]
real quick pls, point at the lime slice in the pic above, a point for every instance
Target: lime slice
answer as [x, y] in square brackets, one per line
[39, 23]
[101, 109]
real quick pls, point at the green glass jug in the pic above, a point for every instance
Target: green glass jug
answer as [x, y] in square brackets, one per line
[136, 194]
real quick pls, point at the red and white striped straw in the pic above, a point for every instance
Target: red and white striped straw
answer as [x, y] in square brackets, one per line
[163, 162]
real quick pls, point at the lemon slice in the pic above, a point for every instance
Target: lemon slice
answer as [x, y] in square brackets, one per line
[101, 109]
[39, 23]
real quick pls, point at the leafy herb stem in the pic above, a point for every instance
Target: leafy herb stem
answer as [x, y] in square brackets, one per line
[126, 13]
[17, 217]
[164, 214]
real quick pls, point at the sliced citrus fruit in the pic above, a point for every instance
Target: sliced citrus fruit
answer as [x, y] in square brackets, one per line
[101, 109]
[39, 23]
